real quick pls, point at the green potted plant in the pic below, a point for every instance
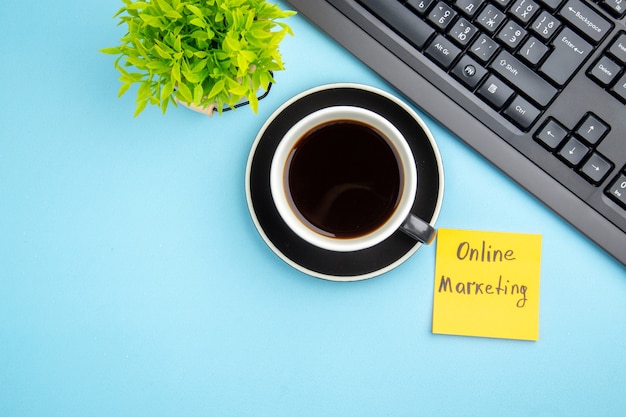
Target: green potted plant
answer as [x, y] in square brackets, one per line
[205, 54]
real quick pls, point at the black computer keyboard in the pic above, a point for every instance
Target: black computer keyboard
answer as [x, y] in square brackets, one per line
[538, 87]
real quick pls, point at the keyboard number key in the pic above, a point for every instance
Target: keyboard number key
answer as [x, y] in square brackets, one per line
[617, 190]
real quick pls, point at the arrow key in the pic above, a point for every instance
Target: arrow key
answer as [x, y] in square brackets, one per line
[596, 168]
[592, 129]
[551, 134]
[573, 152]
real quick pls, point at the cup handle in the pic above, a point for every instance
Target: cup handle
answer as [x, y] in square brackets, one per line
[418, 229]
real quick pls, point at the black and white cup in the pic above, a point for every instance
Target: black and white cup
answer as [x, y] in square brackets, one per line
[344, 179]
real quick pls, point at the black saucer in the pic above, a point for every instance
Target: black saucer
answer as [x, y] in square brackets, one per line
[322, 263]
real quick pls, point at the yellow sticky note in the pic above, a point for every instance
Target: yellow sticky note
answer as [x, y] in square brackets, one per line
[487, 284]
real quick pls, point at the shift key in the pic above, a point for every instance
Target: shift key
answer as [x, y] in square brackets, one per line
[523, 78]
[570, 51]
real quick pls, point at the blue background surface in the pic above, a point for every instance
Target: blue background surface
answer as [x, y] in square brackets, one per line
[133, 281]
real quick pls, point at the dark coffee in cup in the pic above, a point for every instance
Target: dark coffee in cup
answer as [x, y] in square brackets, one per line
[343, 179]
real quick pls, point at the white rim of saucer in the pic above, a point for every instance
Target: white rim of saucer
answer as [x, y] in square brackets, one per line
[288, 103]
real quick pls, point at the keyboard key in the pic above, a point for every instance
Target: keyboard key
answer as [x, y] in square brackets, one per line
[619, 89]
[573, 152]
[420, 6]
[490, 18]
[495, 91]
[618, 48]
[604, 71]
[523, 78]
[522, 113]
[484, 47]
[462, 32]
[545, 25]
[596, 168]
[585, 19]
[441, 15]
[524, 10]
[468, 7]
[533, 51]
[570, 50]
[592, 129]
[442, 51]
[551, 134]
[511, 34]
[407, 24]
[615, 7]
[617, 190]
[469, 72]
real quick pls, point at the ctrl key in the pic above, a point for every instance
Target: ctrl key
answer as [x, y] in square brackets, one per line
[617, 190]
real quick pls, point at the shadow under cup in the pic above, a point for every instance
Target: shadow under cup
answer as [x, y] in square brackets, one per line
[344, 179]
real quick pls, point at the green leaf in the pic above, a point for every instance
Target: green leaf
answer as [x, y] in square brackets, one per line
[254, 103]
[140, 107]
[161, 52]
[184, 93]
[164, 6]
[176, 72]
[239, 89]
[174, 14]
[260, 33]
[152, 21]
[195, 10]
[185, 48]
[123, 89]
[198, 93]
[199, 34]
[164, 103]
[198, 22]
[192, 77]
[138, 5]
[167, 90]
[143, 93]
[217, 88]
[111, 51]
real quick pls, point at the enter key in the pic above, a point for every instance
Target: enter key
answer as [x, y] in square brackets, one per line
[570, 51]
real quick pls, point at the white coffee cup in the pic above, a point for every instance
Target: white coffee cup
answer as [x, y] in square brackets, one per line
[352, 119]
